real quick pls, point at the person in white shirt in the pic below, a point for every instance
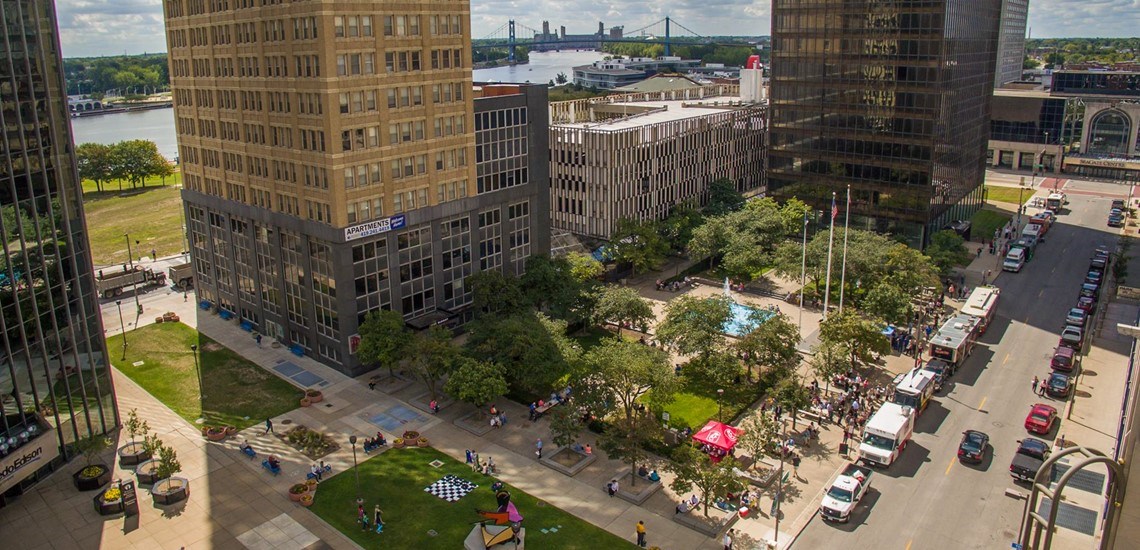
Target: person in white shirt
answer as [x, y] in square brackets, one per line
[727, 541]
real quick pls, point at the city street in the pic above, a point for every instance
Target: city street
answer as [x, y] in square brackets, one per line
[931, 501]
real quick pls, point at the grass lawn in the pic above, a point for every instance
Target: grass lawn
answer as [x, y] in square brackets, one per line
[1007, 194]
[985, 222]
[691, 410]
[153, 217]
[238, 392]
[112, 188]
[396, 480]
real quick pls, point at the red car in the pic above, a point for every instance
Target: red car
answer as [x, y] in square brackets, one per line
[1040, 419]
[1086, 303]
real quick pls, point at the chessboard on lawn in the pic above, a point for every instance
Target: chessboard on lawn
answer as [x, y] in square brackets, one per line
[451, 488]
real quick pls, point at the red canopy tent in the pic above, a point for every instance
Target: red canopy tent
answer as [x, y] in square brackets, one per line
[719, 435]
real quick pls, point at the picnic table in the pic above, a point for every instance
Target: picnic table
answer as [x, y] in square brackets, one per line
[539, 411]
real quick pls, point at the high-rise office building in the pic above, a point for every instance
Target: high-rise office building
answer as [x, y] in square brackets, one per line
[330, 165]
[55, 384]
[1011, 41]
[891, 98]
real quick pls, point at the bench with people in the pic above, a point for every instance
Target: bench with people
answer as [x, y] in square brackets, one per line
[273, 464]
[648, 475]
[317, 472]
[374, 443]
[539, 408]
[687, 506]
[247, 449]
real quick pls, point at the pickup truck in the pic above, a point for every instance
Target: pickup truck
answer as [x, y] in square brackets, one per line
[845, 493]
[1031, 453]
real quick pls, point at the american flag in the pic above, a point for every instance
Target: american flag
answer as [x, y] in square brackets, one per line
[834, 208]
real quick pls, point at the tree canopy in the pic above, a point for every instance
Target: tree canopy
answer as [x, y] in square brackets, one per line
[622, 305]
[860, 338]
[695, 469]
[132, 160]
[638, 244]
[947, 250]
[383, 339]
[532, 349]
[771, 346]
[695, 325]
[475, 382]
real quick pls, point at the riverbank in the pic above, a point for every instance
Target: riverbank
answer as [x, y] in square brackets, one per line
[497, 63]
[125, 108]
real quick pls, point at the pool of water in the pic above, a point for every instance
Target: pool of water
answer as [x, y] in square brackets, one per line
[745, 319]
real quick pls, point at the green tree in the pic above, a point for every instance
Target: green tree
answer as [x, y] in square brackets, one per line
[695, 325]
[565, 425]
[549, 286]
[710, 239]
[723, 198]
[760, 435]
[623, 306]
[771, 346]
[431, 357]
[677, 228]
[888, 302]
[532, 349]
[96, 163]
[828, 360]
[584, 268]
[715, 370]
[860, 338]
[383, 339]
[91, 447]
[560, 78]
[137, 159]
[626, 440]
[475, 382]
[791, 394]
[693, 468]
[168, 463]
[638, 244]
[947, 250]
[496, 293]
[135, 426]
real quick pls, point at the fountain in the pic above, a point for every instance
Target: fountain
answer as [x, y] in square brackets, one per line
[743, 318]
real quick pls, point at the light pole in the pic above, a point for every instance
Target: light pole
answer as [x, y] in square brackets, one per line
[122, 327]
[1020, 205]
[130, 255]
[779, 483]
[720, 404]
[355, 469]
[198, 372]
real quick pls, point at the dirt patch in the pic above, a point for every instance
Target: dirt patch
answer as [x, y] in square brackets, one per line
[310, 443]
[212, 346]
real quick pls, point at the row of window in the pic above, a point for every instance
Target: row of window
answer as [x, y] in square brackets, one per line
[308, 65]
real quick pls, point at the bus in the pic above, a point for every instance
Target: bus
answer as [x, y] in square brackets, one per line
[1054, 202]
[982, 304]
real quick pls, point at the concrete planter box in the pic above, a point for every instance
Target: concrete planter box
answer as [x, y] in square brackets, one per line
[171, 490]
[711, 526]
[474, 425]
[147, 472]
[132, 454]
[639, 493]
[84, 483]
[567, 461]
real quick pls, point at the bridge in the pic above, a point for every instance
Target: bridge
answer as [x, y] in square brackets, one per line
[658, 32]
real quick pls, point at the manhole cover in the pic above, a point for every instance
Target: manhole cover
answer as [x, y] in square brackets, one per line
[328, 404]
[999, 424]
[286, 422]
[432, 533]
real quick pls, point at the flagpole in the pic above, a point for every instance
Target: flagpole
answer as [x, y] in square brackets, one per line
[830, 243]
[803, 276]
[843, 270]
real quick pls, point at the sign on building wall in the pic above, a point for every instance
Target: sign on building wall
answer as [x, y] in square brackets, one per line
[26, 459]
[374, 227]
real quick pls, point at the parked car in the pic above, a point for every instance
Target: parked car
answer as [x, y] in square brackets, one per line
[1086, 303]
[1117, 204]
[973, 446]
[1072, 337]
[1098, 263]
[1058, 385]
[1064, 359]
[1116, 220]
[1090, 290]
[1040, 418]
[1027, 460]
[1094, 277]
[1076, 317]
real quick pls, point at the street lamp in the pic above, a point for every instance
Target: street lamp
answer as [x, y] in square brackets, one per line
[720, 404]
[779, 482]
[122, 327]
[355, 469]
[198, 371]
[130, 255]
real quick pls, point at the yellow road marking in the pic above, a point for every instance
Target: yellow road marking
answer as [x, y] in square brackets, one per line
[951, 465]
[982, 404]
[908, 544]
[1006, 360]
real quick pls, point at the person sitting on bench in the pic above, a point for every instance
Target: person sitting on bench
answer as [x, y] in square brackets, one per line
[642, 471]
[380, 439]
[653, 476]
[274, 462]
[246, 447]
[315, 472]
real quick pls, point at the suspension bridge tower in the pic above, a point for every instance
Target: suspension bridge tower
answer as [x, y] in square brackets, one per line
[511, 42]
[668, 50]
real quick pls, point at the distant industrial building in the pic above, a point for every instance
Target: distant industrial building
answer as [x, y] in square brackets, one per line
[637, 156]
[1011, 42]
[547, 41]
[608, 74]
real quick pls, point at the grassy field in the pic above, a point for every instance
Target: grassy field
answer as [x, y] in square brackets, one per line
[153, 217]
[114, 188]
[1007, 194]
[985, 222]
[238, 392]
[396, 480]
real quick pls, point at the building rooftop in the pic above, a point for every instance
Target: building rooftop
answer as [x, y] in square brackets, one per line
[1037, 94]
[644, 113]
[661, 82]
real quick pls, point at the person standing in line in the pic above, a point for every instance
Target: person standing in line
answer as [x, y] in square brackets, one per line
[641, 534]
[1035, 383]
[268, 426]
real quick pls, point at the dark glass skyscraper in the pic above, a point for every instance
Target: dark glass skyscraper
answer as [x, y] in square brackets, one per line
[889, 97]
[55, 382]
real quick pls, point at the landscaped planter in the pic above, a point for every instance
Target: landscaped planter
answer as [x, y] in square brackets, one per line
[147, 472]
[315, 396]
[231, 430]
[305, 401]
[422, 442]
[216, 433]
[92, 477]
[306, 500]
[109, 501]
[133, 453]
[398, 443]
[411, 435]
[171, 490]
[297, 491]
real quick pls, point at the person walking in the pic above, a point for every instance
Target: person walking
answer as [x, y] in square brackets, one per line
[796, 465]
[727, 540]
[378, 519]
[538, 448]
[362, 517]
[641, 534]
[467, 452]
[268, 426]
[1035, 383]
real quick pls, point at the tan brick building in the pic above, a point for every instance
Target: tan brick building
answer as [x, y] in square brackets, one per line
[325, 145]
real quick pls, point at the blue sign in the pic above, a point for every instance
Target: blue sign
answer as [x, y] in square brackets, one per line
[374, 227]
[1017, 546]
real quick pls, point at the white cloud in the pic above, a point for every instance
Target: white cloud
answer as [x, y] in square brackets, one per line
[107, 27]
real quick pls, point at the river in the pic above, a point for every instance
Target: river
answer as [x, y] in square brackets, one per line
[157, 125]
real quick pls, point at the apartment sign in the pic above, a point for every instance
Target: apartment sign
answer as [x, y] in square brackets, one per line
[375, 227]
[24, 461]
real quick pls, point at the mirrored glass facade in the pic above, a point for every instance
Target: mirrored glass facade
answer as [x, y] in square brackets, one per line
[889, 97]
[54, 377]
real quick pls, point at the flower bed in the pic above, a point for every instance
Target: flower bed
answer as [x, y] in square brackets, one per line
[311, 443]
[92, 477]
[315, 396]
[215, 433]
[297, 491]
[109, 501]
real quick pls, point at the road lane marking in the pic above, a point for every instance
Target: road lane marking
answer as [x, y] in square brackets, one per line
[983, 403]
[951, 465]
[1041, 294]
[908, 544]
[1006, 360]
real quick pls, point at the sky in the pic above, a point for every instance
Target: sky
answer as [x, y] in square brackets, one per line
[114, 27]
